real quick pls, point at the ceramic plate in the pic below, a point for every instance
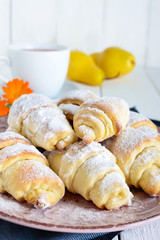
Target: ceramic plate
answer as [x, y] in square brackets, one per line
[75, 214]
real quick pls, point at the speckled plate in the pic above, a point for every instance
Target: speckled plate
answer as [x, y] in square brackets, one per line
[75, 214]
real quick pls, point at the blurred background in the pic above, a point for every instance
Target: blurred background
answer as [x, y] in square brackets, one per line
[92, 26]
[87, 25]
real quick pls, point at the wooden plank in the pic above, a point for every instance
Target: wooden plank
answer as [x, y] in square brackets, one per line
[146, 232]
[154, 74]
[115, 238]
[80, 24]
[126, 25]
[137, 89]
[153, 56]
[4, 27]
[34, 21]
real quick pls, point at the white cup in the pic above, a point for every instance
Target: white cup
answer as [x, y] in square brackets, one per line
[44, 66]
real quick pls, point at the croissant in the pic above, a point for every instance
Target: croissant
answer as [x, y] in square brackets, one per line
[71, 101]
[99, 119]
[38, 118]
[24, 172]
[138, 155]
[91, 171]
[136, 120]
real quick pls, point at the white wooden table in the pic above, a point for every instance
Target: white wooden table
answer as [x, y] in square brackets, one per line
[141, 88]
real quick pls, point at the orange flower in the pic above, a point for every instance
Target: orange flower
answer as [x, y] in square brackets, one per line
[3, 108]
[15, 89]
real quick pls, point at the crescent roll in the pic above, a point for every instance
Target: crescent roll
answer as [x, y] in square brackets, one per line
[138, 155]
[24, 172]
[91, 171]
[136, 120]
[71, 101]
[99, 119]
[37, 118]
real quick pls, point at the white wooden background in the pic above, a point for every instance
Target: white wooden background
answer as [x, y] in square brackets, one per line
[88, 25]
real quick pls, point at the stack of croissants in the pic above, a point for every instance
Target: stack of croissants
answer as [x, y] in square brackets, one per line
[94, 146]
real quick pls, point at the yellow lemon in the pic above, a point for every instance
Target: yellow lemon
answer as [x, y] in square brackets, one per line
[83, 69]
[114, 61]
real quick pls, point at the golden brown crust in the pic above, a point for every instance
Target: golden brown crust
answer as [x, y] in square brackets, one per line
[76, 97]
[137, 151]
[99, 119]
[137, 120]
[91, 171]
[70, 103]
[10, 138]
[34, 182]
[24, 172]
[39, 119]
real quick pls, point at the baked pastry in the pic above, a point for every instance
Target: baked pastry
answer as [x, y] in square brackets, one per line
[10, 138]
[24, 172]
[37, 117]
[136, 120]
[91, 171]
[138, 155]
[71, 101]
[99, 119]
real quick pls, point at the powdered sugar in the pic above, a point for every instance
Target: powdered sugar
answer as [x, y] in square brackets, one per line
[45, 124]
[40, 120]
[147, 155]
[69, 108]
[42, 203]
[113, 102]
[73, 213]
[109, 181]
[32, 170]
[16, 149]
[101, 162]
[79, 149]
[78, 94]
[135, 117]
[155, 178]
[87, 131]
[130, 138]
[24, 105]
[6, 136]
[47, 120]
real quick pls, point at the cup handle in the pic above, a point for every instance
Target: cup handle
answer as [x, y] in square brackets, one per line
[5, 59]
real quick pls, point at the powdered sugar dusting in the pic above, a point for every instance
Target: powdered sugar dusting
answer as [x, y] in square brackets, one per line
[79, 149]
[49, 120]
[155, 178]
[4, 136]
[147, 155]
[109, 181]
[135, 118]
[42, 202]
[87, 131]
[24, 105]
[113, 102]
[130, 138]
[69, 108]
[73, 213]
[41, 121]
[15, 150]
[47, 123]
[78, 94]
[101, 162]
[31, 170]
